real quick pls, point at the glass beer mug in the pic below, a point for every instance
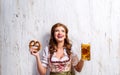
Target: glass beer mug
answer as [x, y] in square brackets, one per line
[85, 51]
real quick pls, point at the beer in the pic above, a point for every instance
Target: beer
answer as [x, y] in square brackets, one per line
[85, 51]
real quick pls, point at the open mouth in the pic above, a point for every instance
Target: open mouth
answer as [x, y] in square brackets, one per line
[60, 36]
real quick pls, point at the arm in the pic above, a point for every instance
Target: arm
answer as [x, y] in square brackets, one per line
[79, 66]
[41, 68]
[76, 63]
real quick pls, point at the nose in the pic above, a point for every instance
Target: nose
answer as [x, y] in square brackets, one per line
[60, 32]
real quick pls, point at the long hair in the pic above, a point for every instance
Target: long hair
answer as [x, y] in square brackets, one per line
[53, 42]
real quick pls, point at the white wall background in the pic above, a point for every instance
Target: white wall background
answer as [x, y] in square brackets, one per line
[94, 21]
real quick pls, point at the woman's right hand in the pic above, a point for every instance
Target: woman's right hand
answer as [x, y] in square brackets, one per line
[34, 52]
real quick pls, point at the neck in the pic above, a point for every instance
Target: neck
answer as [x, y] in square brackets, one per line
[60, 45]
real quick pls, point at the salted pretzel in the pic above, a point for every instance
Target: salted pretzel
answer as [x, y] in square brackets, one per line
[34, 43]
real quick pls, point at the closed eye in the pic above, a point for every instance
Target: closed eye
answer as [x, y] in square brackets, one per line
[56, 30]
[63, 30]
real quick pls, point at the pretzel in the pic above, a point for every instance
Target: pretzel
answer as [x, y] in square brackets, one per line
[36, 44]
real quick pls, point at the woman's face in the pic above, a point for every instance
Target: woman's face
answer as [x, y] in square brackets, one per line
[60, 34]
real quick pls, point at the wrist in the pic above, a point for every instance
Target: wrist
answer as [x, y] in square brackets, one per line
[37, 57]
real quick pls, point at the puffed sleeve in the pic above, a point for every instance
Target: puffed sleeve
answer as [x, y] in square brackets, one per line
[74, 58]
[44, 56]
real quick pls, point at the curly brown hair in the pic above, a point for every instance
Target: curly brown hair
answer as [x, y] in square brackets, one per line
[53, 42]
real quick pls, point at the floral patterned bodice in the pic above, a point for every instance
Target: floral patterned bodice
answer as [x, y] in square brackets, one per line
[58, 65]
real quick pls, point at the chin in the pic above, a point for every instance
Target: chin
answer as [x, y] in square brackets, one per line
[60, 40]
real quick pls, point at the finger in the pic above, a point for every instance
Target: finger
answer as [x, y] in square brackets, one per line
[34, 51]
[31, 50]
[34, 47]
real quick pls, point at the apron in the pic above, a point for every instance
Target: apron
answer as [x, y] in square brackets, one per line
[60, 73]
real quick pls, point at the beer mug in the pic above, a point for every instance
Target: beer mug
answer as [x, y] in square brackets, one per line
[36, 44]
[85, 51]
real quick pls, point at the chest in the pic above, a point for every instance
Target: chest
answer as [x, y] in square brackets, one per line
[59, 65]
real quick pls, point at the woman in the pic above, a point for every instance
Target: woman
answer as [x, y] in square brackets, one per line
[58, 56]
